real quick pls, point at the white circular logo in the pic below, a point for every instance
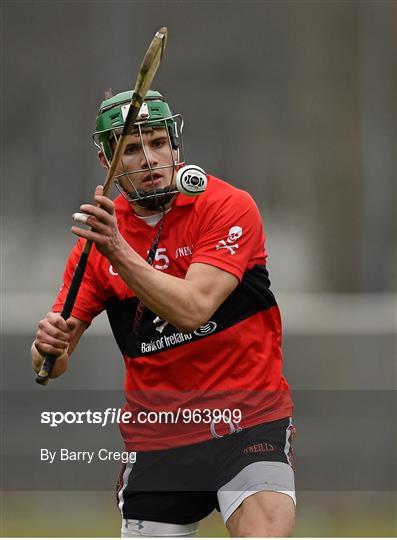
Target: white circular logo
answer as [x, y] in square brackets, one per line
[206, 329]
[191, 180]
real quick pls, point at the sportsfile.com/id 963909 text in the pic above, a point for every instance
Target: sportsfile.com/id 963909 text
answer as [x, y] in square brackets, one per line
[117, 416]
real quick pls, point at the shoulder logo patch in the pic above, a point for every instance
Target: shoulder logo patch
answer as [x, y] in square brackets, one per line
[230, 243]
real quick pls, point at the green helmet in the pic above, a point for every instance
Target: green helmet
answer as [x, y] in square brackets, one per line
[155, 112]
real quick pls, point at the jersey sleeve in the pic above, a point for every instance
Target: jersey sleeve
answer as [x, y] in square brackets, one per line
[89, 301]
[231, 235]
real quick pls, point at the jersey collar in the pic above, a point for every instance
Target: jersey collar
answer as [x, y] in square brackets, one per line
[183, 200]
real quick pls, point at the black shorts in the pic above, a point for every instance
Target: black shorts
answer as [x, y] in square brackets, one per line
[180, 485]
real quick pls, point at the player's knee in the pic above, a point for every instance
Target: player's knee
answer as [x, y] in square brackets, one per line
[132, 528]
[263, 521]
[261, 528]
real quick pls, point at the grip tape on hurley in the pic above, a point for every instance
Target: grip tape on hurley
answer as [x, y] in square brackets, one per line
[49, 361]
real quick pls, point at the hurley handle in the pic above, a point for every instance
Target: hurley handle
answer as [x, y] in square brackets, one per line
[49, 361]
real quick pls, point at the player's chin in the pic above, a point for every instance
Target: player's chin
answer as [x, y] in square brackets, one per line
[160, 184]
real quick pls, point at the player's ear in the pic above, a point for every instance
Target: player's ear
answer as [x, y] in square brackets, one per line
[102, 160]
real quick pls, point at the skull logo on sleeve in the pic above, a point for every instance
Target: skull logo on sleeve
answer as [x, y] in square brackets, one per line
[230, 243]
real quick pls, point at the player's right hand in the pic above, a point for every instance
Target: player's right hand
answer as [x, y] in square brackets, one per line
[53, 335]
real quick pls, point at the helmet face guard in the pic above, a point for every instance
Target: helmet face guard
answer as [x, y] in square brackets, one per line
[155, 114]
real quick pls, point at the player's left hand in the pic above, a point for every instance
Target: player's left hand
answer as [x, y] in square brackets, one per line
[102, 220]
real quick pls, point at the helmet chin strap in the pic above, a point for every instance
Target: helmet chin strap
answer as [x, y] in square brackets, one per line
[154, 199]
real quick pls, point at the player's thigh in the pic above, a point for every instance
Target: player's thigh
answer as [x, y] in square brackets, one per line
[263, 514]
[258, 496]
[157, 494]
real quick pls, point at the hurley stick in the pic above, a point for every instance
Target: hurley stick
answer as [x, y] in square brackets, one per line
[144, 80]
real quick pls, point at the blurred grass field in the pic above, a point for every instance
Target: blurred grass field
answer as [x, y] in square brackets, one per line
[94, 514]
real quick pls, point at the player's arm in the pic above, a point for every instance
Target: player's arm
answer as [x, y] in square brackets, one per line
[58, 337]
[185, 303]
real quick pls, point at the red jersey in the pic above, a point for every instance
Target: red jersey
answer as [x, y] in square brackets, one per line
[233, 362]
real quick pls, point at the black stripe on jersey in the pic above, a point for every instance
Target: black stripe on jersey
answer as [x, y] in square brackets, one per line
[251, 296]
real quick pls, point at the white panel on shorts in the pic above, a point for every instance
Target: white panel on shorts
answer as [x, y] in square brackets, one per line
[120, 494]
[258, 476]
[131, 528]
